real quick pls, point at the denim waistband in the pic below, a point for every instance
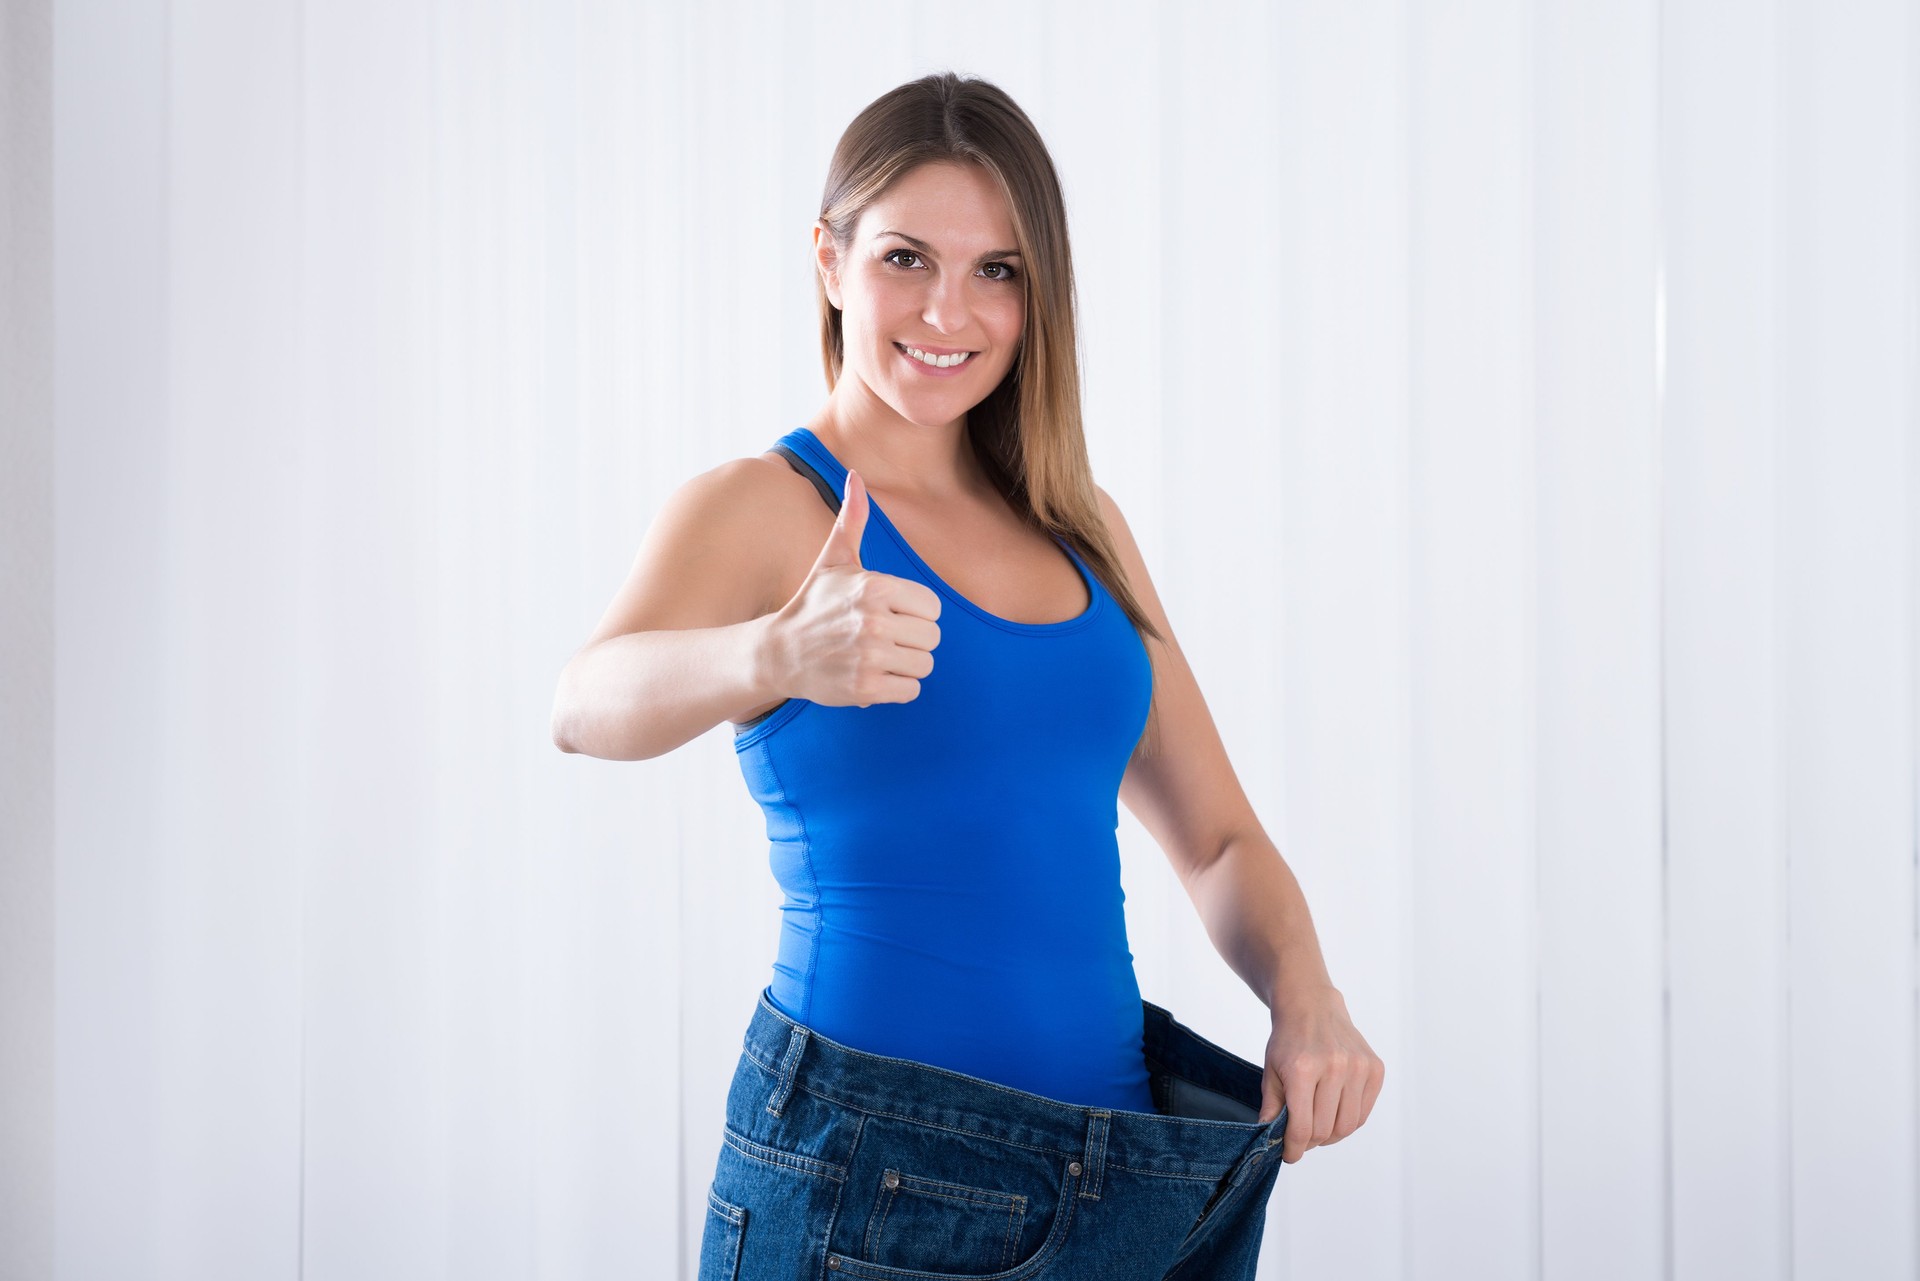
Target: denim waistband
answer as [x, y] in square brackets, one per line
[801, 1058]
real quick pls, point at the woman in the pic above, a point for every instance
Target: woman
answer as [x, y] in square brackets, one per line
[953, 1073]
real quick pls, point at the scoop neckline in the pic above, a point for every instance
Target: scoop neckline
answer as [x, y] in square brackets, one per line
[1095, 597]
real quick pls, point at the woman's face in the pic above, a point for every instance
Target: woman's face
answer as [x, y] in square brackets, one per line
[933, 266]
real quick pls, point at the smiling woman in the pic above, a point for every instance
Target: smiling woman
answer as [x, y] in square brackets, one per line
[952, 1072]
[949, 304]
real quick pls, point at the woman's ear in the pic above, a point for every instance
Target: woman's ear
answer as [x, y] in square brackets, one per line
[827, 259]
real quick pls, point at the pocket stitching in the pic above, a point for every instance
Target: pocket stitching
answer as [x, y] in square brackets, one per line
[1055, 1242]
[732, 1213]
[777, 1156]
[1013, 1204]
[732, 1236]
[959, 1191]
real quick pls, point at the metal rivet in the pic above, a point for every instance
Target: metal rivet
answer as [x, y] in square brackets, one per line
[1073, 1168]
[892, 1179]
[833, 1261]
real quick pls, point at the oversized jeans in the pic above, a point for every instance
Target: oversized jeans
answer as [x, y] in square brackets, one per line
[837, 1163]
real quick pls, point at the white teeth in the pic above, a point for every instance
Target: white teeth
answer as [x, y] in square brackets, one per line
[939, 362]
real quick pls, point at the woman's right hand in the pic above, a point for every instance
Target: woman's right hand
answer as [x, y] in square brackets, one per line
[851, 635]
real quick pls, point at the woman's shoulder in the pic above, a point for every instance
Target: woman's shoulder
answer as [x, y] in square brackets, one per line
[769, 518]
[765, 488]
[755, 488]
[749, 489]
[728, 544]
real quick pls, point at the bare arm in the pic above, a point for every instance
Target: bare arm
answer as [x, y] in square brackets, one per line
[693, 635]
[1190, 800]
[688, 640]
[1317, 1064]
[640, 695]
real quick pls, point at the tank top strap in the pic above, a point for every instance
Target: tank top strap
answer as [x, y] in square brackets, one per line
[815, 464]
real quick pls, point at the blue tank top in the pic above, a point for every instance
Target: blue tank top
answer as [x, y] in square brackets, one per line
[950, 865]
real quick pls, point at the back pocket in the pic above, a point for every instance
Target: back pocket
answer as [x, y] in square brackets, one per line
[720, 1245]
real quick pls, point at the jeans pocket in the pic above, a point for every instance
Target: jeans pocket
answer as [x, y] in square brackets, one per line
[966, 1229]
[720, 1245]
[934, 1204]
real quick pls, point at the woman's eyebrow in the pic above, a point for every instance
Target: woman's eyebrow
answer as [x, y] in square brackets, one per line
[926, 248]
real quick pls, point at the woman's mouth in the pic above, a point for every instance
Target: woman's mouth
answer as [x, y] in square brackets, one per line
[929, 363]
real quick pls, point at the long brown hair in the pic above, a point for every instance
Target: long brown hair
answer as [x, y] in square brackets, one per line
[1027, 433]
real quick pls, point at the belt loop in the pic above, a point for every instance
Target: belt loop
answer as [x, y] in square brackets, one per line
[1096, 1155]
[789, 1065]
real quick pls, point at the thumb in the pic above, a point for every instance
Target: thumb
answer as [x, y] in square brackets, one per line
[843, 544]
[1273, 1096]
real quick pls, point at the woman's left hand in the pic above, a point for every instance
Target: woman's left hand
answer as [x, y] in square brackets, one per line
[1321, 1068]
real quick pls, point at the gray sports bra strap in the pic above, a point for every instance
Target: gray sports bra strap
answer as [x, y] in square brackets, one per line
[805, 468]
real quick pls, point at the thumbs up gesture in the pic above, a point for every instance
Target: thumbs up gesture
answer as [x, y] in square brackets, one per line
[852, 636]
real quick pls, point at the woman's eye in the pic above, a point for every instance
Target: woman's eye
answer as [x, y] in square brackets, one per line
[1007, 270]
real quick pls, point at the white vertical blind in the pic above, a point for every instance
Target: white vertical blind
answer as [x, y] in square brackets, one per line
[1518, 407]
[1472, 1050]
[1728, 1165]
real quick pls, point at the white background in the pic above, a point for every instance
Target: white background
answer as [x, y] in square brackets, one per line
[1517, 406]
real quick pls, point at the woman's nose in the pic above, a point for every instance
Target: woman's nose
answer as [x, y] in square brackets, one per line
[946, 309]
